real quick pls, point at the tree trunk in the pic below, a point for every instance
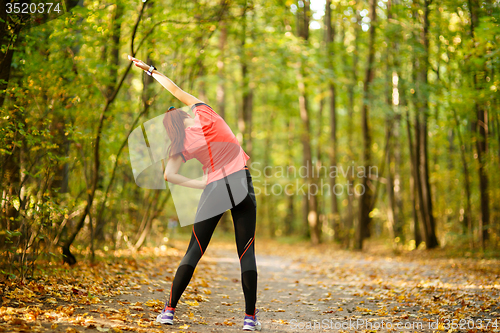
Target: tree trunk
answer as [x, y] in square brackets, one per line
[317, 167]
[245, 116]
[330, 33]
[468, 226]
[482, 147]
[290, 207]
[11, 173]
[390, 87]
[391, 209]
[362, 231]
[310, 204]
[430, 237]
[497, 120]
[349, 221]
[5, 62]
[268, 202]
[310, 212]
[413, 170]
[481, 138]
[114, 56]
[221, 90]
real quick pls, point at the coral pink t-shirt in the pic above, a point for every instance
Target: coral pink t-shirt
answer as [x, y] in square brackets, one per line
[212, 142]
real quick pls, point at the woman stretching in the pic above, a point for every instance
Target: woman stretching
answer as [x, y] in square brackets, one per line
[227, 184]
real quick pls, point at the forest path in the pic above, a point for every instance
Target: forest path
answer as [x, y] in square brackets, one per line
[301, 288]
[326, 290]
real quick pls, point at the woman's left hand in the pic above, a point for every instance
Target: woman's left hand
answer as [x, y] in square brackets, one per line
[139, 63]
[203, 182]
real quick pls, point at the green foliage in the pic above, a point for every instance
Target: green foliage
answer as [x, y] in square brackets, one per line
[63, 71]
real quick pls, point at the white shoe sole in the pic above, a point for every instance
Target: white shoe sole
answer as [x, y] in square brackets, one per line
[252, 328]
[165, 321]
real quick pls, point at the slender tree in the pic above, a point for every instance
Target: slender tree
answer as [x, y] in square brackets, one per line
[366, 198]
[481, 129]
[245, 116]
[329, 36]
[311, 204]
[423, 114]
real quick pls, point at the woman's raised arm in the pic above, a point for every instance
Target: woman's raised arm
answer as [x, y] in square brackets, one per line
[168, 84]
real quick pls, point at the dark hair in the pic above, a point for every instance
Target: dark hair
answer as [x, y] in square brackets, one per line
[174, 125]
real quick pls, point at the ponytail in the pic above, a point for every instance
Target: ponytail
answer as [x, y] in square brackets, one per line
[174, 125]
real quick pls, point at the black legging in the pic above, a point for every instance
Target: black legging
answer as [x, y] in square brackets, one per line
[236, 191]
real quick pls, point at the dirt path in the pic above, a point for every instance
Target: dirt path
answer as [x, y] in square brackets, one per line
[300, 289]
[345, 291]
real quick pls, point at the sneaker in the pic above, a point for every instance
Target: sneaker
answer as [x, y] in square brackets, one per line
[166, 316]
[251, 323]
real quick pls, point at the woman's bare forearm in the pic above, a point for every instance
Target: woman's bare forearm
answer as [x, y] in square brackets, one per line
[171, 175]
[166, 82]
[184, 181]
[178, 93]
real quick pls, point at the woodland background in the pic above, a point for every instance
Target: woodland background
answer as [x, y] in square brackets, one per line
[408, 87]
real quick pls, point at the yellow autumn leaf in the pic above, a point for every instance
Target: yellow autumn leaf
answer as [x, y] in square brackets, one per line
[192, 303]
[153, 302]
[95, 300]
[137, 308]
[227, 322]
[183, 327]
[144, 323]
